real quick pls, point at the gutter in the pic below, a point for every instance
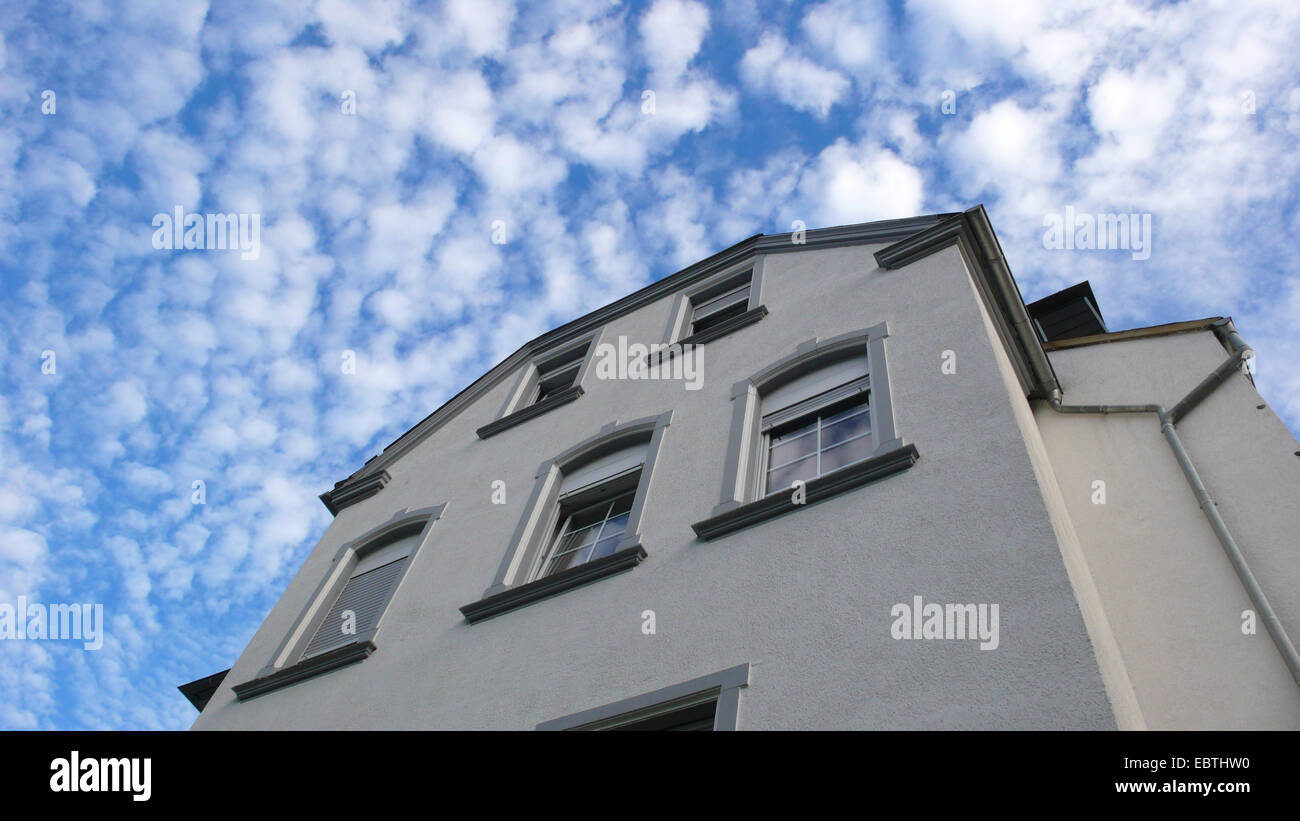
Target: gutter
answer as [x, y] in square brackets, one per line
[1238, 353]
[990, 252]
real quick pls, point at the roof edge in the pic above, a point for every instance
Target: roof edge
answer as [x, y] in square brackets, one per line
[1165, 329]
[200, 691]
[973, 235]
[866, 233]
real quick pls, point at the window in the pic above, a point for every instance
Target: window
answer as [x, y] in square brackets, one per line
[593, 508]
[589, 532]
[828, 439]
[696, 718]
[361, 603]
[558, 374]
[717, 305]
[341, 619]
[821, 418]
[583, 520]
[709, 702]
[708, 311]
[552, 378]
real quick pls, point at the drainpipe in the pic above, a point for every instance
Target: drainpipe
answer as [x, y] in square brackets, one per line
[1239, 352]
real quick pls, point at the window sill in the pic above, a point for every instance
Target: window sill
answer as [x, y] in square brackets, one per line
[524, 414]
[548, 586]
[307, 668]
[717, 331]
[816, 490]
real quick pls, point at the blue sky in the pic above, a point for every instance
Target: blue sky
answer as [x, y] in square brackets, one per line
[177, 366]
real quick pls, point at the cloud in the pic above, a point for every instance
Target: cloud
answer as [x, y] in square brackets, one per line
[184, 367]
[859, 183]
[672, 31]
[771, 67]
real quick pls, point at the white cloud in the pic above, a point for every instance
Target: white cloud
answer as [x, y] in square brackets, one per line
[851, 183]
[1133, 110]
[672, 31]
[176, 367]
[126, 404]
[771, 67]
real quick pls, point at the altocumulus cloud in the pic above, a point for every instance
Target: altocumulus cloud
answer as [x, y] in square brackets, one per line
[197, 374]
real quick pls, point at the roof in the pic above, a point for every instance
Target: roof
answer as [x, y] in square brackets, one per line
[1068, 313]
[200, 690]
[1134, 333]
[906, 239]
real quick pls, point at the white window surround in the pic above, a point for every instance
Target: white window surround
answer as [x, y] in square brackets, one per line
[681, 315]
[619, 457]
[522, 402]
[364, 596]
[406, 532]
[813, 367]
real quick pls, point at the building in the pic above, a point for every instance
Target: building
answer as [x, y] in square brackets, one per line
[869, 489]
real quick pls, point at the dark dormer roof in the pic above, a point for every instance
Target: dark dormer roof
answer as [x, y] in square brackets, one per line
[198, 692]
[1067, 314]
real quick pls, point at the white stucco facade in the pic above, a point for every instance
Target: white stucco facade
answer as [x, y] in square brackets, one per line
[1115, 615]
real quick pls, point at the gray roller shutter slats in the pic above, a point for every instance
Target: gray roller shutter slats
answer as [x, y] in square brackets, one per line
[365, 595]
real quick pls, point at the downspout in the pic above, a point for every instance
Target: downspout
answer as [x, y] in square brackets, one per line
[1239, 352]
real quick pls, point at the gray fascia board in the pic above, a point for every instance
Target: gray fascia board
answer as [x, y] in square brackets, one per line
[354, 489]
[816, 490]
[870, 233]
[975, 239]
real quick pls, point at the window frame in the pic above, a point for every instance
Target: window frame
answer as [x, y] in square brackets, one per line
[604, 492]
[523, 401]
[289, 664]
[723, 687]
[516, 583]
[814, 408]
[721, 304]
[742, 501]
[681, 318]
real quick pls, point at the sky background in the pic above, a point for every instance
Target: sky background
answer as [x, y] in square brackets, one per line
[376, 237]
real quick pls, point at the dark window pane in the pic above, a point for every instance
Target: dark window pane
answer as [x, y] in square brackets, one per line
[552, 383]
[718, 317]
[567, 560]
[781, 478]
[706, 307]
[787, 434]
[846, 454]
[604, 547]
[588, 516]
[842, 411]
[622, 504]
[615, 526]
[792, 448]
[846, 429]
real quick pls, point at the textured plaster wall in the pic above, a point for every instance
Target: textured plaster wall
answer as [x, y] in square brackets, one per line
[1169, 591]
[805, 598]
